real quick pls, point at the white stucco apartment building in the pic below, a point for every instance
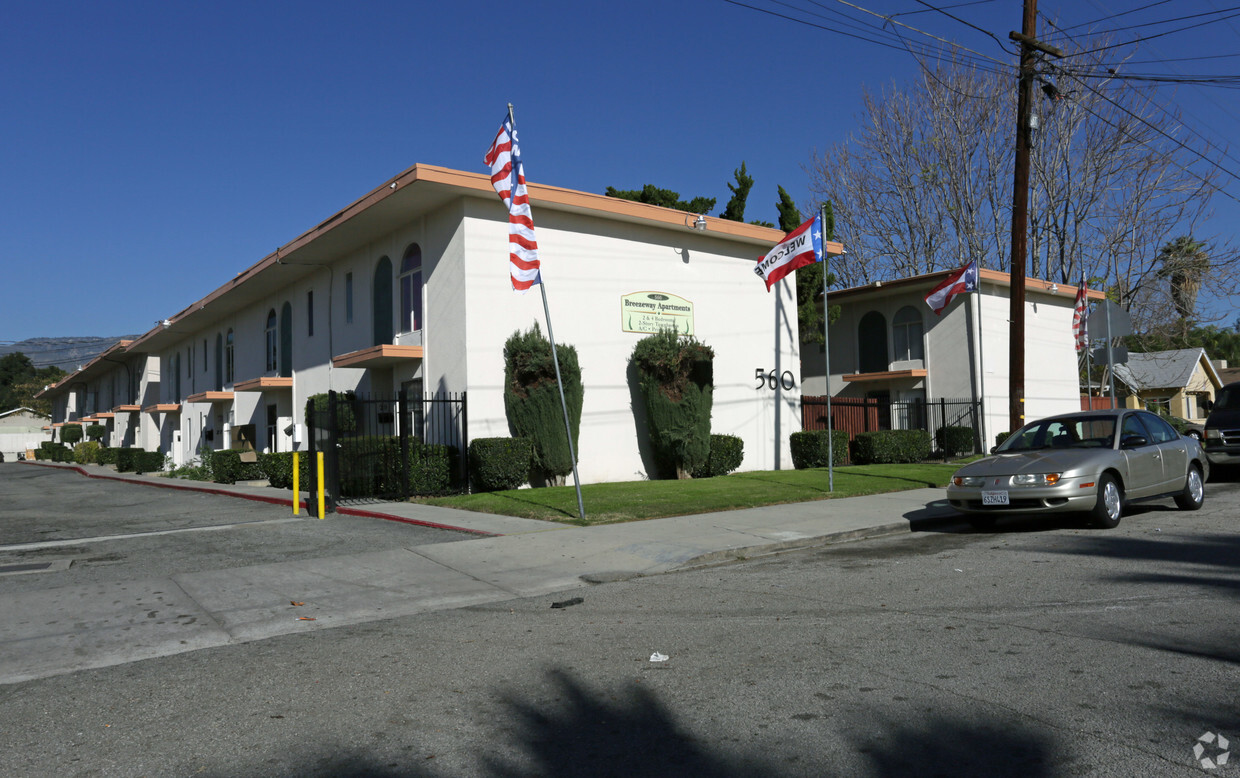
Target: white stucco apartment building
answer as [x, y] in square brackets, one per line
[408, 288]
[888, 344]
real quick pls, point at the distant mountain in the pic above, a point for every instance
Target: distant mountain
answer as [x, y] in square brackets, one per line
[65, 353]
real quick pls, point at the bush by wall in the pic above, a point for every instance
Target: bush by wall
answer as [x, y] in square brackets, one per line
[71, 433]
[107, 455]
[226, 467]
[148, 461]
[374, 467]
[86, 453]
[278, 468]
[346, 411]
[810, 448]
[96, 431]
[532, 400]
[496, 464]
[126, 459]
[676, 378]
[888, 446]
[726, 454]
[431, 466]
[953, 441]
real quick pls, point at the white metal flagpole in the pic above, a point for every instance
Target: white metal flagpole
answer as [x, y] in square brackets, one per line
[555, 359]
[826, 353]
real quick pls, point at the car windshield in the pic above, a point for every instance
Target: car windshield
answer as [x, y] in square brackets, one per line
[1075, 432]
[1228, 399]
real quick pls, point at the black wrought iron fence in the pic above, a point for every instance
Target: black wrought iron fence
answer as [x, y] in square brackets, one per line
[386, 447]
[870, 414]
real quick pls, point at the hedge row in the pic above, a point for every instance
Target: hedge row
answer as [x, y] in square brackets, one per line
[226, 467]
[809, 448]
[497, 464]
[889, 446]
[137, 460]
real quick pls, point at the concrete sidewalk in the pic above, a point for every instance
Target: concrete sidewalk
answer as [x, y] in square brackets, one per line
[61, 630]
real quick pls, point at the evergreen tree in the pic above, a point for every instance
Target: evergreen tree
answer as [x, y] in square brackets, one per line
[809, 278]
[532, 400]
[735, 209]
[666, 198]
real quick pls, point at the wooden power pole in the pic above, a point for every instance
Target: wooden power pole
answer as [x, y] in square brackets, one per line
[1020, 218]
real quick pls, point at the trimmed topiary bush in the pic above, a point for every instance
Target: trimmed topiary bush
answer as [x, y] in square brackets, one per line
[532, 400]
[497, 464]
[953, 441]
[71, 434]
[86, 453]
[810, 448]
[726, 454]
[96, 432]
[676, 378]
[888, 446]
[431, 466]
[226, 467]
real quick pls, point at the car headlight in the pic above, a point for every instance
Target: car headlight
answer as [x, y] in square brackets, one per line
[1035, 479]
[1213, 434]
[968, 480]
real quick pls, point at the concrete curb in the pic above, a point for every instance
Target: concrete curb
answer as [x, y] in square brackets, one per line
[305, 503]
[727, 555]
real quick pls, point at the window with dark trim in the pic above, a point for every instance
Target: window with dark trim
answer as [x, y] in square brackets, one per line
[348, 298]
[906, 334]
[310, 313]
[411, 289]
[872, 343]
[271, 340]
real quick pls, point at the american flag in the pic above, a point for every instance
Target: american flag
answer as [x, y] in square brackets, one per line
[508, 178]
[1079, 330]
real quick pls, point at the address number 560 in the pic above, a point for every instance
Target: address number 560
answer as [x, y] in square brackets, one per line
[770, 380]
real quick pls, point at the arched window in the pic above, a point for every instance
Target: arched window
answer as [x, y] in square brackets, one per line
[872, 343]
[219, 361]
[229, 373]
[411, 289]
[381, 302]
[906, 334]
[286, 340]
[271, 341]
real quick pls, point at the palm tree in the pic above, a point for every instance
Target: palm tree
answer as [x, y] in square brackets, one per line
[1185, 261]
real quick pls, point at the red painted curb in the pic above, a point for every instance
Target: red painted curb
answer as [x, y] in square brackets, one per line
[263, 498]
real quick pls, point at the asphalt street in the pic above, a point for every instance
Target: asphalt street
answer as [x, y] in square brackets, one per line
[1036, 649]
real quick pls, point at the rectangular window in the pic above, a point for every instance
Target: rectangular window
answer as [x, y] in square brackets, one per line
[310, 312]
[348, 298]
[204, 355]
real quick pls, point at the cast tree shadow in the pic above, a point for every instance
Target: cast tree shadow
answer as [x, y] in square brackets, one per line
[952, 748]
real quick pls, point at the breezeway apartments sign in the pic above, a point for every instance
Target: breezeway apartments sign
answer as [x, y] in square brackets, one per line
[650, 312]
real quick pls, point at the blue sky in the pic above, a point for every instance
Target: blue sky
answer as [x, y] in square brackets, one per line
[152, 150]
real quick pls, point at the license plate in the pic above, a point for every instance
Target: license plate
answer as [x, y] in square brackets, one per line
[995, 498]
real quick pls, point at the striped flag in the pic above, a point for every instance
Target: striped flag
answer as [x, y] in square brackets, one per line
[801, 247]
[962, 281]
[508, 178]
[1079, 325]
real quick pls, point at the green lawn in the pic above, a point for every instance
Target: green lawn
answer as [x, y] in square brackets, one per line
[637, 500]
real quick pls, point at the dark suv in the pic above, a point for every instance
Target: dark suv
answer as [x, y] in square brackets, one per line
[1222, 441]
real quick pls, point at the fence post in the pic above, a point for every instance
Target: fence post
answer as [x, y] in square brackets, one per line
[463, 450]
[402, 409]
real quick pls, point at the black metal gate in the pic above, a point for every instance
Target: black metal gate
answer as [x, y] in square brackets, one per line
[389, 447]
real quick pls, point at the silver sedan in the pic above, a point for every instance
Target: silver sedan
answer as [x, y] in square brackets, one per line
[1092, 461]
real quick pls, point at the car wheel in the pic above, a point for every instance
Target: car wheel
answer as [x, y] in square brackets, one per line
[1195, 435]
[1194, 493]
[1110, 505]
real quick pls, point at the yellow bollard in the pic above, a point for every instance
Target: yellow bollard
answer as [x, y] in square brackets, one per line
[322, 496]
[296, 484]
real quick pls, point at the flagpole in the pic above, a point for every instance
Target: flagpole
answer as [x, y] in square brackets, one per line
[826, 353]
[555, 359]
[981, 365]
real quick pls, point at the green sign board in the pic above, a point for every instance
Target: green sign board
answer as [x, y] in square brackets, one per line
[650, 312]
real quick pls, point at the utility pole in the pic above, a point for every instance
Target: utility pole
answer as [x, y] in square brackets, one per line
[1027, 38]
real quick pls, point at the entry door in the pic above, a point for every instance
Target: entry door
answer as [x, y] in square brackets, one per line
[272, 428]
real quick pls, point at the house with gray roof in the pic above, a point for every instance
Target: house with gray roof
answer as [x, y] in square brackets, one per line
[1179, 381]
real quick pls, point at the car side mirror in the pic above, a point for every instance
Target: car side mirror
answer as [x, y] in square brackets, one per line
[1133, 441]
[993, 449]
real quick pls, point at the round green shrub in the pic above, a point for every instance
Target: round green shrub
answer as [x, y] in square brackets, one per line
[71, 433]
[497, 464]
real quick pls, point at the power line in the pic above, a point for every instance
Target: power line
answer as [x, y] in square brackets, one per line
[1116, 15]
